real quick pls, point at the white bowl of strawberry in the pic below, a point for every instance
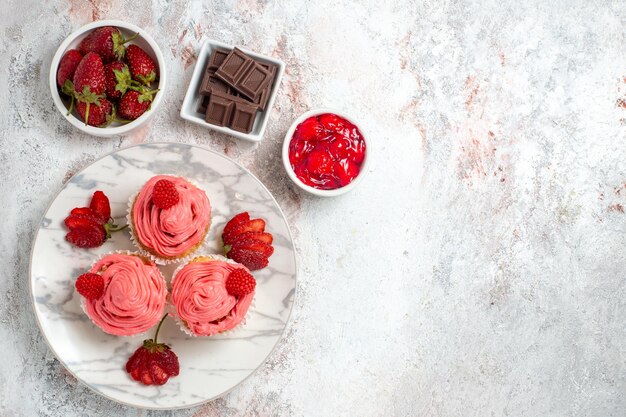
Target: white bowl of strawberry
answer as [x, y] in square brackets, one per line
[107, 78]
[325, 152]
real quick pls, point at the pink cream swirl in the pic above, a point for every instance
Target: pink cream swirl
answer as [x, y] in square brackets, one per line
[177, 230]
[201, 301]
[134, 296]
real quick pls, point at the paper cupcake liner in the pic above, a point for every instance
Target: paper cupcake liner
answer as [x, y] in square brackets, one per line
[156, 259]
[83, 302]
[172, 309]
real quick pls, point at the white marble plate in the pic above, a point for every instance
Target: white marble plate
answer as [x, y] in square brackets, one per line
[209, 367]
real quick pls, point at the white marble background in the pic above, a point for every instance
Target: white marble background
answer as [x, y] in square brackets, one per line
[478, 271]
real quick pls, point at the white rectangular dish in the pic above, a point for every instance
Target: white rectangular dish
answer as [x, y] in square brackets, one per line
[192, 101]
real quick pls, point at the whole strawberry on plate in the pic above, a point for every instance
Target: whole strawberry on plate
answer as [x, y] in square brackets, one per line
[106, 41]
[153, 363]
[246, 242]
[90, 227]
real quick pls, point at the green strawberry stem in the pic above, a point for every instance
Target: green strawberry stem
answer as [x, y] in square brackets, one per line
[87, 113]
[156, 334]
[69, 110]
[131, 38]
[112, 228]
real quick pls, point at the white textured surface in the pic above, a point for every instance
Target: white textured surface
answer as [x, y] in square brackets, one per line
[479, 269]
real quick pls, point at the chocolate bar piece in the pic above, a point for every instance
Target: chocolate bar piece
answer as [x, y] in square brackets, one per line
[253, 81]
[204, 103]
[243, 117]
[234, 66]
[219, 110]
[244, 74]
[210, 83]
[216, 59]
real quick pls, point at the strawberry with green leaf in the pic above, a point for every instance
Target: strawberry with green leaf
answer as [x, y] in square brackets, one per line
[118, 79]
[106, 41]
[135, 103]
[89, 83]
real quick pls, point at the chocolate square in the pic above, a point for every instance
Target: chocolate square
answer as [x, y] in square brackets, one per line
[211, 83]
[219, 110]
[234, 66]
[243, 117]
[204, 103]
[216, 59]
[254, 81]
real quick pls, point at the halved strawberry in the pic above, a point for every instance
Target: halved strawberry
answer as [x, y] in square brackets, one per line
[250, 259]
[236, 221]
[100, 204]
[75, 221]
[258, 236]
[253, 245]
[254, 225]
[88, 212]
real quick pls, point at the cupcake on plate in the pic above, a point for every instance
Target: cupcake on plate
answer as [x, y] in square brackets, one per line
[211, 294]
[123, 293]
[169, 218]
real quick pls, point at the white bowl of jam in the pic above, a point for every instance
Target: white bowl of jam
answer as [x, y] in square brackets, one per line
[325, 152]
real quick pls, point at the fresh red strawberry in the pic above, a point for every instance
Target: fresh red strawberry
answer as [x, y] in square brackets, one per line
[142, 67]
[77, 221]
[87, 237]
[253, 245]
[67, 66]
[164, 194]
[250, 259]
[255, 225]
[91, 226]
[240, 282]
[257, 236]
[90, 286]
[235, 222]
[90, 85]
[88, 212]
[153, 363]
[100, 204]
[117, 79]
[101, 113]
[133, 104]
[106, 41]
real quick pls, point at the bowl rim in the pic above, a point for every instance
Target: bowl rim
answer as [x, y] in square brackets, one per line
[116, 130]
[292, 174]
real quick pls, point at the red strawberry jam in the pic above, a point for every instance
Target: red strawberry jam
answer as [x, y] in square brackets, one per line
[326, 151]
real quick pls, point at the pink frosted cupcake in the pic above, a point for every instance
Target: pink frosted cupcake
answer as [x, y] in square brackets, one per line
[169, 218]
[211, 294]
[124, 294]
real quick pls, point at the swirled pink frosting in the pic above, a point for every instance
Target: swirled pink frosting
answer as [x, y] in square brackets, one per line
[201, 300]
[177, 230]
[134, 295]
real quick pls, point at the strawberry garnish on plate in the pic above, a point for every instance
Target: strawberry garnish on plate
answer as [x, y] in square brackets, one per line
[90, 286]
[153, 363]
[106, 41]
[142, 67]
[246, 242]
[240, 282]
[90, 227]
